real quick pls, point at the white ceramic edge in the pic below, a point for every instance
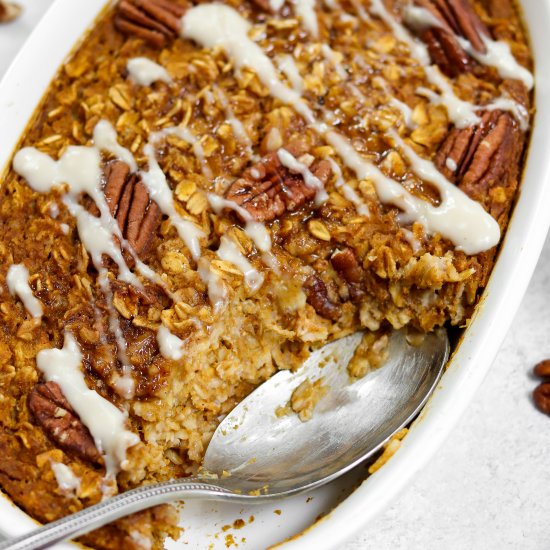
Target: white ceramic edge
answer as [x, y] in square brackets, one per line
[473, 358]
[481, 341]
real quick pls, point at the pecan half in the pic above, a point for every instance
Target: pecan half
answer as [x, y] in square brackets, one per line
[317, 296]
[541, 396]
[155, 21]
[347, 265]
[53, 412]
[268, 189]
[480, 156]
[455, 18]
[137, 215]
[9, 11]
[542, 369]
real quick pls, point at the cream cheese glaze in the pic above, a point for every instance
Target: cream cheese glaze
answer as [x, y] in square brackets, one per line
[67, 480]
[17, 280]
[144, 71]
[497, 55]
[462, 113]
[219, 25]
[106, 422]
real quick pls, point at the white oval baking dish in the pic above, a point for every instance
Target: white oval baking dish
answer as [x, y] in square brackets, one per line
[294, 518]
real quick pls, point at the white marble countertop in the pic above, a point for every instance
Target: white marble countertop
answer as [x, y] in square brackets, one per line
[489, 485]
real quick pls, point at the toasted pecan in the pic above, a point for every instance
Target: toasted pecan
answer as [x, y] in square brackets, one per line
[52, 411]
[155, 21]
[479, 157]
[317, 296]
[268, 189]
[137, 215]
[456, 18]
[9, 11]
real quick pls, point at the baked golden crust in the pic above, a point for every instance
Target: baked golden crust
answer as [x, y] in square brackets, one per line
[338, 270]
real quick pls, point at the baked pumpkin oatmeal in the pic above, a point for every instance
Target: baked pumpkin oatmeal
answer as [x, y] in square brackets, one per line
[208, 192]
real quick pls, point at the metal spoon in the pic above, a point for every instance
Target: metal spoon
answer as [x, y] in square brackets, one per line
[255, 455]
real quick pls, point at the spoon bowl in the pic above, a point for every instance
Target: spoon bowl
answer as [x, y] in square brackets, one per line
[280, 455]
[256, 454]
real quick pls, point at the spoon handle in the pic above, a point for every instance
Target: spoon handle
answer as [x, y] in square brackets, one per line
[114, 508]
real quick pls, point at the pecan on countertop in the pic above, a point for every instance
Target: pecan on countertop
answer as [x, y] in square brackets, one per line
[137, 215]
[479, 157]
[268, 189]
[9, 11]
[52, 411]
[541, 394]
[456, 18]
[155, 21]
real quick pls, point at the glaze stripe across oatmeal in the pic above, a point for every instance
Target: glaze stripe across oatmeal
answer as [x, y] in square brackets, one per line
[17, 280]
[218, 25]
[104, 420]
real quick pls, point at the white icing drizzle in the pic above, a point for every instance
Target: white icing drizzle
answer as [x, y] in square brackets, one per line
[461, 113]
[159, 190]
[451, 164]
[229, 252]
[499, 56]
[305, 9]
[348, 191]
[257, 231]
[105, 138]
[335, 59]
[418, 49]
[217, 25]
[186, 135]
[17, 280]
[234, 122]
[66, 479]
[288, 67]
[98, 240]
[419, 18]
[170, 346]
[332, 5]
[65, 228]
[217, 292]
[125, 384]
[143, 542]
[465, 222]
[416, 245]
[276, 5]
[403, 108]
[106, 422]
[144, 71]
[80, 169]
[294, 165]
[520, 113]
[54, 210]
